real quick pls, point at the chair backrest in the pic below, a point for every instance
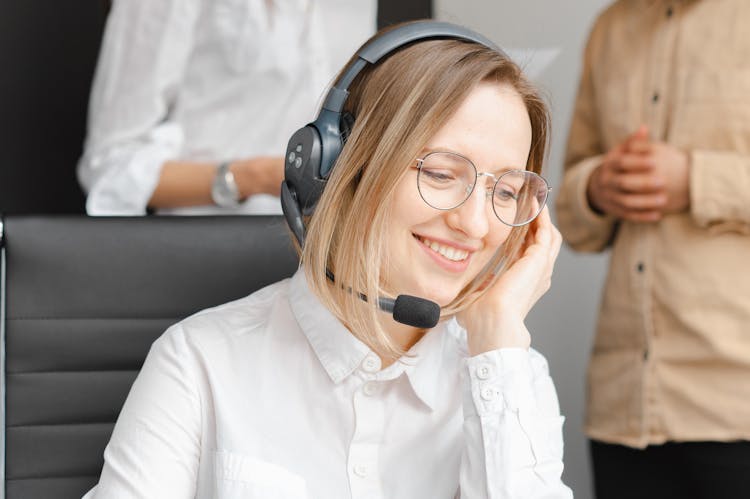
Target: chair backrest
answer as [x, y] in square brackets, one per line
[83, 298]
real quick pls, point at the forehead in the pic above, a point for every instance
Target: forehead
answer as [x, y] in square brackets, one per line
[491, 127]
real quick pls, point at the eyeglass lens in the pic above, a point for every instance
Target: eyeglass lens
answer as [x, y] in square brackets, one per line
[446, 180]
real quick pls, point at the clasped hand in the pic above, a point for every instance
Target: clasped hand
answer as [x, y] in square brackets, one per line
[641, 180]
[496, 320]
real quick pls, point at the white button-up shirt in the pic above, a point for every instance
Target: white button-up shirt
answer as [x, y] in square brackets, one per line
[271, 396]
[208, 80]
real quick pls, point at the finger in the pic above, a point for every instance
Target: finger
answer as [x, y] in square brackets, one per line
[638, 183]
[635, 163]
[557, 242]
[542, 227]
[640, 146]
[641, 133]
[642, 216]
[640, 202]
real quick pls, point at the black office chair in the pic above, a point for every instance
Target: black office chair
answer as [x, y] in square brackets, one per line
[82, 301]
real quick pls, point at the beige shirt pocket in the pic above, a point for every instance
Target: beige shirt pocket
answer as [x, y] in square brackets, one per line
[713, 113]
[247, 477]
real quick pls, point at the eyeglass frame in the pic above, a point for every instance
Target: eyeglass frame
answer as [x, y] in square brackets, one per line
[488, 192]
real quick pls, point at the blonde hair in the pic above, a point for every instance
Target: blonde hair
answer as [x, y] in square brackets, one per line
[399, 104]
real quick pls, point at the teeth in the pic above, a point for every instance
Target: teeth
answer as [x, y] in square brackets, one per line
[448, 252]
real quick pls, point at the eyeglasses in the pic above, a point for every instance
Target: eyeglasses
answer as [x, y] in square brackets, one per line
[446, 180]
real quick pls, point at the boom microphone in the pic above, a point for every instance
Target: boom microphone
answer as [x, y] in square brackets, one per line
[411, 310]
[406, 309]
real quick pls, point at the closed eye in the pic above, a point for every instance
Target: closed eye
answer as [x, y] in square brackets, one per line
[503, 193]
[438, 175]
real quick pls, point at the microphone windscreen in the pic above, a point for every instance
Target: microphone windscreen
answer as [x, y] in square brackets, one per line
[416, 312]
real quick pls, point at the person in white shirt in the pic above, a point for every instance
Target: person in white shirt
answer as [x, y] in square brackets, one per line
[193, 100]
[306, 389]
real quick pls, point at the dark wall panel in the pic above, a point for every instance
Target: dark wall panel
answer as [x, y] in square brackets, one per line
[47, 54]
[394, 11]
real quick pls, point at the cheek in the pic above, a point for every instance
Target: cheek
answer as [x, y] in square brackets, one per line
[492, 243]
[497, 236]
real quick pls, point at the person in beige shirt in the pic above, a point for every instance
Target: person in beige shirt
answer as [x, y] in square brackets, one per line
[657, 171]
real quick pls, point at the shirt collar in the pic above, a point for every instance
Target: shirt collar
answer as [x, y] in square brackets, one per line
[425, 369]
[338, 350]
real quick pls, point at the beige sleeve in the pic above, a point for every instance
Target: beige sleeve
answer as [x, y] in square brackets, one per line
[720, 188]
[581, 227]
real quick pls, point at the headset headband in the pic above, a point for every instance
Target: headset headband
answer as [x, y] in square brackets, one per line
[388, 43]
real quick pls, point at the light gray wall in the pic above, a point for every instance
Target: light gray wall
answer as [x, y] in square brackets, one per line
[562, 323]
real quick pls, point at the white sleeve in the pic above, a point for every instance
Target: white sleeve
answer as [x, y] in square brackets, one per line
[144, 52]
[512, 428]
[155, 447]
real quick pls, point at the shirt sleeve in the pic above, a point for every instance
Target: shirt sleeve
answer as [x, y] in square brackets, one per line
[155, 447]
[144, 53]
[583, 228]
[719, 186]
[512, 428]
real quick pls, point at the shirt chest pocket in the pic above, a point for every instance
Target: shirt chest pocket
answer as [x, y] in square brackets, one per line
[246, 477]
[713, 112]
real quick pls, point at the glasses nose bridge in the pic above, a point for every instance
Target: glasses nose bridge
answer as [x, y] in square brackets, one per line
[489, 186]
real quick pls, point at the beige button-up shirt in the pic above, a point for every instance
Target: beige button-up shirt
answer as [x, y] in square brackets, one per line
[671, 358]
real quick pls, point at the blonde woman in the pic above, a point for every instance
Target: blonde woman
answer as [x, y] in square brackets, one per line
[305, 389]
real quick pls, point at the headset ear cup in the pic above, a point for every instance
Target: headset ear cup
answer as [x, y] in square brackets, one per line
[302, 166]
[346, 126]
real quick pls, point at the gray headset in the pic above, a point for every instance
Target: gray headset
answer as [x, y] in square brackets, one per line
[313, 149]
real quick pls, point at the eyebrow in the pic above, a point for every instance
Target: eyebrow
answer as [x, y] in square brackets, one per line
[497, 171]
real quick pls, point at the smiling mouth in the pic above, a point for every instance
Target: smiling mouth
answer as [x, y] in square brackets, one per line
[448, 252]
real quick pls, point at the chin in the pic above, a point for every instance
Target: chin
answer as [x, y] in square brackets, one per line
[441, 298]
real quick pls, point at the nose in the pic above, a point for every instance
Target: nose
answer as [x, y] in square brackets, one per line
[472, 217]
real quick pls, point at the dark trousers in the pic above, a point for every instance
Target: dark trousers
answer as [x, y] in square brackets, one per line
[685, 470]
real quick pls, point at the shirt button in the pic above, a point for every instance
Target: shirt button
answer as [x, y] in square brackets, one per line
[484, 371]
[488, 393]
[360, 470]
[370, 388]
[371, 364]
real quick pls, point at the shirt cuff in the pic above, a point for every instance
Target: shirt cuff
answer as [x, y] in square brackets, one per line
[499, 380]
[582, 227]
[123, 177]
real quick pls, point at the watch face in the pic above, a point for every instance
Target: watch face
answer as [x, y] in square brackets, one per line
[224, 190]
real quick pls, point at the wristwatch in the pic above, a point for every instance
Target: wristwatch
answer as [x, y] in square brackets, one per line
[224, 190]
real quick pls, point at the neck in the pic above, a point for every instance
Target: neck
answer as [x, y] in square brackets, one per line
[401, 335]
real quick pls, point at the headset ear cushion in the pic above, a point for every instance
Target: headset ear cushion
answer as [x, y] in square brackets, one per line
[346, 126]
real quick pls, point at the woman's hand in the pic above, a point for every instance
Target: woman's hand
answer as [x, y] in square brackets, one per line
[496, 320]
